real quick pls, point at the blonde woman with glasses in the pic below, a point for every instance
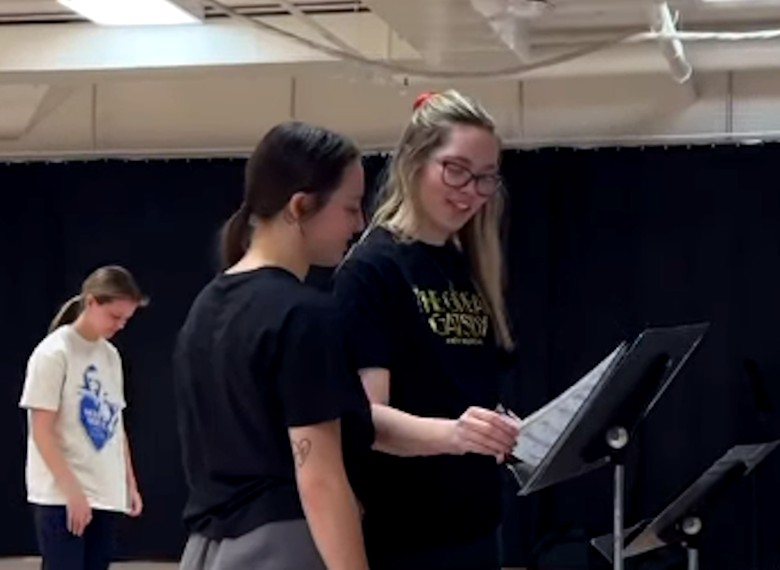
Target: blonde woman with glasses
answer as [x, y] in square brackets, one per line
[422, 292]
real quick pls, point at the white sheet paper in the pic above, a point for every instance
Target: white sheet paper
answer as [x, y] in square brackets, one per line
[540, 431]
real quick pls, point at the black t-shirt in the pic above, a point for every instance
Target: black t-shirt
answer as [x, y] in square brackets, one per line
[258, 353]
[412, 308]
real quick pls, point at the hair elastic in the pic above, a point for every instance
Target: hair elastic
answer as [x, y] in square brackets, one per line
[422, 98]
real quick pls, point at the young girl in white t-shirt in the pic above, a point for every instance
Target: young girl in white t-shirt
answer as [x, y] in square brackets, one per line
[79, 471]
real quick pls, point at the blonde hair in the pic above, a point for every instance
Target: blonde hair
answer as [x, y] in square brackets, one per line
[427, 131]
[105, 284]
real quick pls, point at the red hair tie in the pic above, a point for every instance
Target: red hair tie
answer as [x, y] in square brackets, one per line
[422, 98]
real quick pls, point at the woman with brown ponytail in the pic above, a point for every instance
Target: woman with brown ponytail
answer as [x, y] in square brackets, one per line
[269, 408]
[79, 470]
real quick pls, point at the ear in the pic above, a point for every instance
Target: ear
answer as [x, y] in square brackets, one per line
[89, 300]
[298, 207]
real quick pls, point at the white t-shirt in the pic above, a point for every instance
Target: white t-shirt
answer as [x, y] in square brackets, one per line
[82, 380]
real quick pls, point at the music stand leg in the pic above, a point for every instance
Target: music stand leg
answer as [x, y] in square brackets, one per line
[693, 558]
[617, 531]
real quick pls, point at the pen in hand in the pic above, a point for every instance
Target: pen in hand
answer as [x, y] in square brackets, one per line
[516, 423]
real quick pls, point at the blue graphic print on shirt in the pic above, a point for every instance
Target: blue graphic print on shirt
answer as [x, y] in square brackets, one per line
[99, 416]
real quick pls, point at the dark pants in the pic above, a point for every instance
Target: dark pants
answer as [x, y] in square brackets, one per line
[480, 554]
[61, 550]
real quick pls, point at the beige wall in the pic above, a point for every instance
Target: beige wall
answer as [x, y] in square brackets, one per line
[224, 113]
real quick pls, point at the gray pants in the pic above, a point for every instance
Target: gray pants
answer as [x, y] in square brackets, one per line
[286, 545]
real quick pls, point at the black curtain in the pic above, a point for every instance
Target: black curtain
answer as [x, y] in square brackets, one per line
[601, 244]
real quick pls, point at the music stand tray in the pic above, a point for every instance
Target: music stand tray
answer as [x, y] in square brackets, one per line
[633, 380]
[682, 521]
[601, 423]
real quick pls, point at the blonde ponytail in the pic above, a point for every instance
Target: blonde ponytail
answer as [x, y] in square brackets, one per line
[68, 313]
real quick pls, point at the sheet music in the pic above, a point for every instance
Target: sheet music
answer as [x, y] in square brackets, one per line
[540, 431]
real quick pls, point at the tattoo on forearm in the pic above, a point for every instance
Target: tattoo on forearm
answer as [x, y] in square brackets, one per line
[301, 449]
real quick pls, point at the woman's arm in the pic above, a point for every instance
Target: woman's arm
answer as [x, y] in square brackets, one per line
[136, 502]
[478, 430]
[313, 385]
[46, 440]
[399, 433]
[327, 498]
[130, 472]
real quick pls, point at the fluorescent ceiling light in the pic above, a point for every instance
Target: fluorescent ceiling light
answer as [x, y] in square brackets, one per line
[131, 12]
[743, 3]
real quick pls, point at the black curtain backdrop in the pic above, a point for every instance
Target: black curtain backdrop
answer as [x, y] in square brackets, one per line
[601, 244]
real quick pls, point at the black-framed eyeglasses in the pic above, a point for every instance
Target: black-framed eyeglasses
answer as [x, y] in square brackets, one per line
[458, 176]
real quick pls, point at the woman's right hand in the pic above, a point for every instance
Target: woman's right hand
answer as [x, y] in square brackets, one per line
[79, 513]
[485, 432]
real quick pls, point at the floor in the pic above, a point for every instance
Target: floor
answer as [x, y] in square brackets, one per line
[34, 564]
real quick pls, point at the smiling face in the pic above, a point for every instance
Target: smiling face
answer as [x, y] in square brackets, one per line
[329, 231]
[457, 180]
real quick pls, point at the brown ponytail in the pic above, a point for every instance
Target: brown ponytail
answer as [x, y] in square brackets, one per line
[292, 157]
[235, 236]
[68, 313]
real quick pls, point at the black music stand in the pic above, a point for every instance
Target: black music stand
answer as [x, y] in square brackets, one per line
[602, 427]
[682, 521]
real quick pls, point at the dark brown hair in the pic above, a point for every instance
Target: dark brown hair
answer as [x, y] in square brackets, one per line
[105, 284]
[292, 157]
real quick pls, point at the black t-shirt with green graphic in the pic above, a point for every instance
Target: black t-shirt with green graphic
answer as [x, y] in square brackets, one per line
[412, 308]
